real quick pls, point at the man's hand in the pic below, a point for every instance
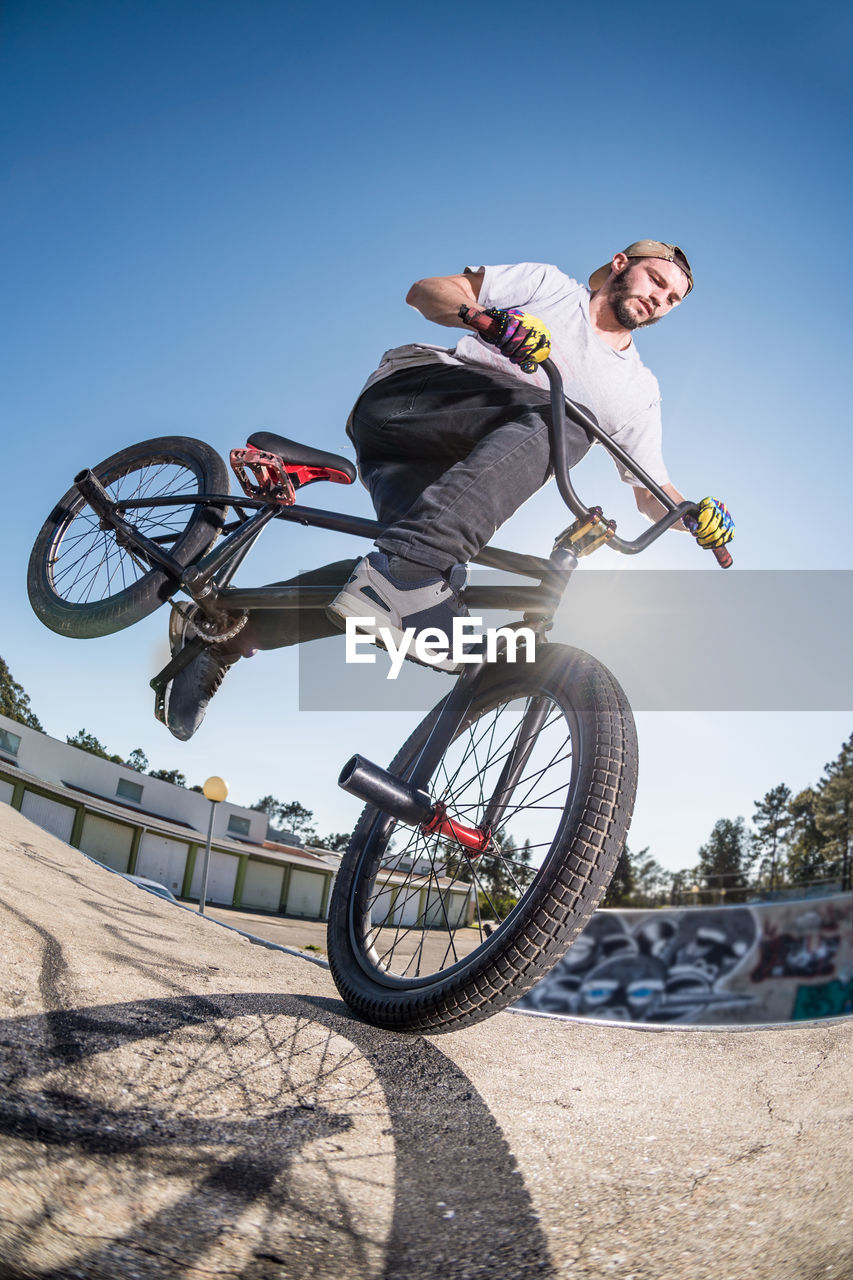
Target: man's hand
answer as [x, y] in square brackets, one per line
[712, 526]
[520, 337]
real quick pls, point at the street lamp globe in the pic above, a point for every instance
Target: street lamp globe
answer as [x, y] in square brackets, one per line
[216, 789]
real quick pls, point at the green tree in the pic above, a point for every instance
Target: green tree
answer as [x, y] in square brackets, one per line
[501, 878]
[337, 841]
[14, 703]
[772, 820]
[679, 887]
[724, 860]
[622, 886]
[169, 775]
[138, 760]
[87, 741]
[651, 881]
[299, 820]
[834, 812]
[287, 817]
[267, 805]
[806, 858]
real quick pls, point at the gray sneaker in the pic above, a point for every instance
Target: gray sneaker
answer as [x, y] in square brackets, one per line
[373, 593]
[191, 690]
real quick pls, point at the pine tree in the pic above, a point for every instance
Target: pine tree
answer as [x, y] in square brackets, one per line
[772, 820]
[336, 842]
[501, 879]
[651, 881]
[723, 861]
[174, 776]
[138, 760]
[87, 741]
[834, 812]
[14, 703]
[287, 818]
[806, 843]
[621, 887]
[298, 819]
[679, 887]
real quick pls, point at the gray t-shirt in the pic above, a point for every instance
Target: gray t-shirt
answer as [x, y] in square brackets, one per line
[615, 385]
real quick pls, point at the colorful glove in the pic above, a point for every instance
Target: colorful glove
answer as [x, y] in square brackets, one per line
[712, 526]
[522, 338]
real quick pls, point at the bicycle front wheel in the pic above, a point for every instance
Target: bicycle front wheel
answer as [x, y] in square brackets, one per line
[81, 582]
[426, 935]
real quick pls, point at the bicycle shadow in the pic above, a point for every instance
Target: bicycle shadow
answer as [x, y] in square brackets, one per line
[268, 1135]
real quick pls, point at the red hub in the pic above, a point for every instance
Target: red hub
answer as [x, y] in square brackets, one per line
[474, 841]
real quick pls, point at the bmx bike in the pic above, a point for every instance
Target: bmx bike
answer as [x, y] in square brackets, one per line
[491, 837]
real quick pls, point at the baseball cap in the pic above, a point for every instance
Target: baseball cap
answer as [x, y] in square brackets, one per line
[647, 249]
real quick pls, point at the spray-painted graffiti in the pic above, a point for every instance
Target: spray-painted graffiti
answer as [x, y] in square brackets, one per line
[666, 967]
[827, 1000]
[808, 948]
[758, 963]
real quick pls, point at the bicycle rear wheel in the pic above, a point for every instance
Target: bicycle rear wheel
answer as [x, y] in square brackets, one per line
[423, 936]
[81, 582]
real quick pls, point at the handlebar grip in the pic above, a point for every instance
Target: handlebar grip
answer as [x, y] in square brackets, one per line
[724, 559]
[487, 325]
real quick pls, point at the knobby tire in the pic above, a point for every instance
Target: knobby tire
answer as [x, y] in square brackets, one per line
[585, 792]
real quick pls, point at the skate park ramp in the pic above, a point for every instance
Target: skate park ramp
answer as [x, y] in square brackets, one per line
[784, 961]
[177, 1102]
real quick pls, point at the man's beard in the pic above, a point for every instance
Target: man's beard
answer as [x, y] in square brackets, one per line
[620, 291]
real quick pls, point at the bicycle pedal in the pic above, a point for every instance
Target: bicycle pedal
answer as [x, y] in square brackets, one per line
[271, 479]
[164, 678]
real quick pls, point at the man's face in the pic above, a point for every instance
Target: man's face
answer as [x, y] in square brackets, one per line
[645, 290]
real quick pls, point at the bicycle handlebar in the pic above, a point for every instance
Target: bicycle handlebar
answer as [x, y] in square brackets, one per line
[561, 408]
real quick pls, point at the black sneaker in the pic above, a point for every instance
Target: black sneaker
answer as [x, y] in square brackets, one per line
[374, 593]
[192, 688]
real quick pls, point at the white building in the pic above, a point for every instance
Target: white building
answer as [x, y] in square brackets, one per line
[142, 825]
[147, 827]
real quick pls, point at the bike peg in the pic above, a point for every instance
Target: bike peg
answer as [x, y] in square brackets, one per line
[392, 795]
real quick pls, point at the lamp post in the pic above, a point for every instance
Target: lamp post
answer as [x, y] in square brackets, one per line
[216, 790]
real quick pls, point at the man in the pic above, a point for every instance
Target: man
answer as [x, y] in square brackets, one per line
[450, 442]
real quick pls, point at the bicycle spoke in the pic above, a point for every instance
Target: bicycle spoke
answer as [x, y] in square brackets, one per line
[86, 564]
[437, 883]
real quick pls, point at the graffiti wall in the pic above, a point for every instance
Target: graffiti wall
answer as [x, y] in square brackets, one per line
[766, 962]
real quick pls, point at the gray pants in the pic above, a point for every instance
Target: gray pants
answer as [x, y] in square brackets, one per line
[448, 454]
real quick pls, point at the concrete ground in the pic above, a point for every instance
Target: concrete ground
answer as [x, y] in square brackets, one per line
[287, 931]
[176, 1102]
[310, 935]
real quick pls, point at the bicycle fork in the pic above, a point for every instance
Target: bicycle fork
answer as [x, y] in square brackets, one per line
[409, 801]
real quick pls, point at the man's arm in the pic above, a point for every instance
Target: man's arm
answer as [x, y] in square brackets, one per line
[651, 508]
[439, 298]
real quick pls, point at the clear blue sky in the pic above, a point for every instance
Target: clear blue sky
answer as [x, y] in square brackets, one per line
[213, 211]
